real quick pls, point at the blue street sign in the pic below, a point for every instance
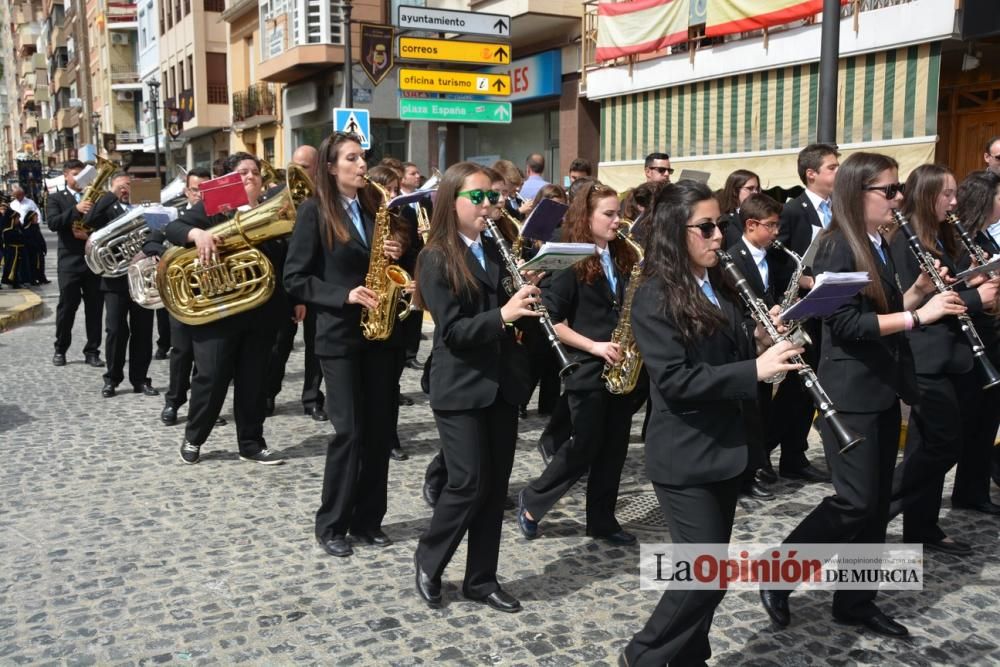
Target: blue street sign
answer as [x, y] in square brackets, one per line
[353, 120]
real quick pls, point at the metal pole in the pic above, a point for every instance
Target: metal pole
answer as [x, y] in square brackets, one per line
[154, 97]
[348, 57]
[826, 122]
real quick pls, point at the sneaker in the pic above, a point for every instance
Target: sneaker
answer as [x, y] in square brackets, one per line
[265, 457]
[190, 453]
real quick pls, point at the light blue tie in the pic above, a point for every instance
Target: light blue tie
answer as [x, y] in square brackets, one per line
[825, 213]
[609, 271]
[881, 253]
[78, 196]
[477, 250]
[706, 287]
[356, 218]
[764, 274]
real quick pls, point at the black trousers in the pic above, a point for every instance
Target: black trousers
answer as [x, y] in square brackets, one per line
[128, 329]
[601, 422]
[312, 394]
[181, 363]
[755, 416]
[478, 448]
[15, 265]
[162, 330]
[559, 428]
[363, 397]
[677, 631]
[937, 431]
[411, 334]
[794, 412]
[230, 350]
[74, 287]
[859, 510]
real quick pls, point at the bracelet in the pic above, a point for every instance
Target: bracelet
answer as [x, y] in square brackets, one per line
[916, 318]
[907, 320]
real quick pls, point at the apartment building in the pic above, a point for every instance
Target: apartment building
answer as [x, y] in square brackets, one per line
[9, 112]
[72, 133]
[149, 77]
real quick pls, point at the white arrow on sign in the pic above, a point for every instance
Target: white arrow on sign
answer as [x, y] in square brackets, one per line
[501, 113]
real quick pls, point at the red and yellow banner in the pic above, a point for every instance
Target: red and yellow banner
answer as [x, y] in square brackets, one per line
[643, 26]
[726, 17]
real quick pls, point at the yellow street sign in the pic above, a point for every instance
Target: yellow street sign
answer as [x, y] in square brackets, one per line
[449, 50]
[463, 83]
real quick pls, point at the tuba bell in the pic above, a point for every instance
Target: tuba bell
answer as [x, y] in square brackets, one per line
[241, 277]
[97, 187]
[142, 282]
[109, 250]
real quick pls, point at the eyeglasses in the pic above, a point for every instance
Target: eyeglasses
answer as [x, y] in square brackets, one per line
[707, 229]
[995, 157]
[663, 170]
[770, 225]
[477, 196]
[889, 191]
[751, 189]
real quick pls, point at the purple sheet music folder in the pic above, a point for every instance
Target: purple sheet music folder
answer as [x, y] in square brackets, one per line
[824, 299]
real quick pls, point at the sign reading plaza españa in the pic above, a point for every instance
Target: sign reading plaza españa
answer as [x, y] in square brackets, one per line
[444, 20]
[463, 83]
[454, 110]
[448, 50]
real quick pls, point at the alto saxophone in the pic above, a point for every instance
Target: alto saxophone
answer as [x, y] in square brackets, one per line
[622, 377]
[387, 280]
[792, 290]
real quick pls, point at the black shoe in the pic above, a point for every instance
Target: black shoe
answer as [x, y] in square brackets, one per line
[373, 537]
[776, 605]
[220, 421]
[953, 547]
[988, 507]
[169, 415]
[109, 390]
[269, 406]
[546, 456]
[522, 411]
[264, 457]
[397, 454]
[427, 588]
[58, 359]
[430, 494]
[405, 401]
[190, 453]
[93, 360]
[500, 600]
[619, 538]
[414, 365]
[337, 546]
[318, 414]
[878, 623]
[529, 527]
[766, 474]
[160, 354]
[756, 490]
[146, 389]
[806, 473]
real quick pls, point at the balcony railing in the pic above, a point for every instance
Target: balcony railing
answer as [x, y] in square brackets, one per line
[258, 100]
[121, 12]
[218, 94]
[124, 74]
[128, 137]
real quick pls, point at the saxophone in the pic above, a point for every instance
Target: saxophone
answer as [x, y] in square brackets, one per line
[622, 377]
[387, 280]
[97, 187]
[792, 290]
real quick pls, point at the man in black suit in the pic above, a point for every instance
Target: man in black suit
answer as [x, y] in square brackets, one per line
[129, 326]
[802, 219]
[76, 282]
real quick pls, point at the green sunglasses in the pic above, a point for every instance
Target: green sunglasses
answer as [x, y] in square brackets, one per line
[477, 196]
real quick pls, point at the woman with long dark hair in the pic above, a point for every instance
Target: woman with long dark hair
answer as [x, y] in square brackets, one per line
[739, 185]
[865, 366]
[328, 258]
[478, 378]
[699, 351]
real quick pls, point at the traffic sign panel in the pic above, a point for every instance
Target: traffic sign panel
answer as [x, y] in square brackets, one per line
[444, 20]
[465, 83]
[355, 121]
[411, 108]
[450, 50]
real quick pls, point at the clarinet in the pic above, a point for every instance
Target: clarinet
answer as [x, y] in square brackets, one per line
[566, 365]
[987, 372]
[974, 249]
[758, 310]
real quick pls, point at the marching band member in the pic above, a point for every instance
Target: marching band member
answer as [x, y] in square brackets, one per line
[328, 259]
[740, 184]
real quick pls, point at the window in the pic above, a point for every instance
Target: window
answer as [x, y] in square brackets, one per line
[216, 76]
[215, 5]
[190, 70]
[269, 149]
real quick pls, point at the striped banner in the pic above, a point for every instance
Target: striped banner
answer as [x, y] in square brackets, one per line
[643, 26]
[726, 17]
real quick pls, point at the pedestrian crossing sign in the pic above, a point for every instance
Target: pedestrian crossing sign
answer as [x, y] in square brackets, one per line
[354, 121]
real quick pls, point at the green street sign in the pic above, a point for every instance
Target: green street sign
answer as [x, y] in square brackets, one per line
[456, 111]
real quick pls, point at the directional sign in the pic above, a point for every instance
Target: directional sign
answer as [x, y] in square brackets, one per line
[449, 50]
[353, 120]
[411, 108]
[465, 83]
[443, 20]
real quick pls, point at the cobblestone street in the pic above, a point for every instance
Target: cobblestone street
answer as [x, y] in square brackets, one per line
[116, 553]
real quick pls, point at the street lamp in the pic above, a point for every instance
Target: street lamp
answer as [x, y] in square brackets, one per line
[154, 98]
[345, 8]
[95, 118]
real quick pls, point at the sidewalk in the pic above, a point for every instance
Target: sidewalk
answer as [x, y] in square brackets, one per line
[19, 306]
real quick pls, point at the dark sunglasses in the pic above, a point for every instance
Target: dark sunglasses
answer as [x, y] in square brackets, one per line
[889, 191]
[707, 229]
[663, 170]
[477, 196]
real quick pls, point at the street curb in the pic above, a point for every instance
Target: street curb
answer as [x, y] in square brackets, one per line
[29, 311]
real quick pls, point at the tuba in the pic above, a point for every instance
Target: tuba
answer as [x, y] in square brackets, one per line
[387, 280]
[142, 282]
[621, 378]
[97, 187]
[109, 250]
[241, 277]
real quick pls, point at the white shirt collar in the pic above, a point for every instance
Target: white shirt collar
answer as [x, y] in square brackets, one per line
[815, 199]
[994, 231]
[347, 201]
[757, 253]
[469, 242]
[702, 279]
[876, 239]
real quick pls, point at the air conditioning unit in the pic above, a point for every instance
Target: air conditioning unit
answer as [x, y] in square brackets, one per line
[125, 95]
[119, 38]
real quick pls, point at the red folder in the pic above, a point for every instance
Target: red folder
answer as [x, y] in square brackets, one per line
[223, 193]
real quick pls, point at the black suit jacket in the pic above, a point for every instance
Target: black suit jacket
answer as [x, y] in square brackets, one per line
[861, 370]
[476, 357]
[696, 432]
[106, 209]
[987, 325]
[590, 310]
[734, 229]
[799, 219]
[60, 214]
[746, 264]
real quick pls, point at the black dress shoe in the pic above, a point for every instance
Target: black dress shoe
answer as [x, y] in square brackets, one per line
[146, 389]
[544, 453]
[414, 365]
[58, 359]
[953, 547]
[429, 589]
[269, 406]
[405, 401]
[529, 527]
[500, 600]
[373, 537]
[109, 390]
[879, 623]
[988, 507]
[169, 415]
[220, 421]
[806, 473]
[93, 360]
[756, 490]
[160, 354]
[430, 494]
[397, 454]
[619, 537]
[776, 605]
[766, 474]
[337, 546]
[318, 414]
[522, 411]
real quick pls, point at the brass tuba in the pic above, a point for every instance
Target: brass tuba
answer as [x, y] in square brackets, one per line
[241, 277]
[142, 282]
[97, 187]
[387, 280]
[622, 377]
